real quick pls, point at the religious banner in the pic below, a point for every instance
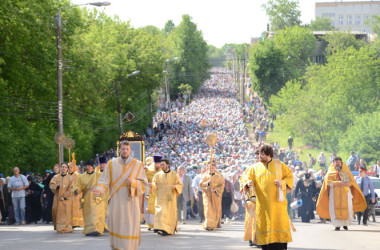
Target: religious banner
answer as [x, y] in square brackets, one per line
[137, 144]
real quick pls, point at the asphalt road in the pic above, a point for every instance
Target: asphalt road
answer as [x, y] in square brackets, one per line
[192, 236]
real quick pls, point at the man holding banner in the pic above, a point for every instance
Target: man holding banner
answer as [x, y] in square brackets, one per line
[126, 181]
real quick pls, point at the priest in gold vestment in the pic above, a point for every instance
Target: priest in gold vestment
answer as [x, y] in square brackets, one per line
[152, 170]
[61, 186]
[249, 196]
[77, 213]
[168, 186]
[102, 165]
[93, 206]
[340, 196]
[125, 179]
[212, 183]
[271, 178]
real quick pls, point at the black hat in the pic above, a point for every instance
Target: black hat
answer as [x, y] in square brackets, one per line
[157, 158]
[89, 162]
[102, 159]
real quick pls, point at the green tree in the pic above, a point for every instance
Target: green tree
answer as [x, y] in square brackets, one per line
[274, 62]
[151, 29]
[185, 89]
[363, 136]
[217, 56]
[321, 24]
[326, 101]
[338, 40]
[282, 13]
[169, 26]
[98, 53]
[267, 67]
[298, 45]
[187, 43]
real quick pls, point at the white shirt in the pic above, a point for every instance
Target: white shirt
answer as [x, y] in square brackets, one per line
[17, 182]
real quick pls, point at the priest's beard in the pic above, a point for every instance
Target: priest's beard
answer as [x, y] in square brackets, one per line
[125, 157]
[338, 168]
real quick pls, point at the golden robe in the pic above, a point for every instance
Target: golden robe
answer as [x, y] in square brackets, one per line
[165, 217]
[272, 219]
[343, 196]
[212, 200]
[92, 206]
[61, 213]
[250, 208]
[106, 198]
[152, 196]
[124, 211]
[77, 213]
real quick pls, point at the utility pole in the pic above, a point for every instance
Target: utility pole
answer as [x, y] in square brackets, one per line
[119, 108]
[59, 86]
[151, 112]
[59, 73]
[168, 97]
[168, 90]
[233, 67]
[242, 81]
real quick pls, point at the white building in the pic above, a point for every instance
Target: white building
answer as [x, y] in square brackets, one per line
[350, 15]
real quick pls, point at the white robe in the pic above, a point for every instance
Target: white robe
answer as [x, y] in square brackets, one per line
[123, 215]
[337, 222]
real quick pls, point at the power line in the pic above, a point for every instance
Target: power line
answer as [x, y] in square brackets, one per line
[27, 116]
[25, 100]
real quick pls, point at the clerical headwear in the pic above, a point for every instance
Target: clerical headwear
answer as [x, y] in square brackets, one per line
[89, 163]
[157, 158]
[363, 169]
[102, 159]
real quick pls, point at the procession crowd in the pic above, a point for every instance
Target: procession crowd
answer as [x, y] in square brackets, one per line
[184, 177]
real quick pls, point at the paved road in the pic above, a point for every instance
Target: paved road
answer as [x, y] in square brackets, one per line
[191, 236]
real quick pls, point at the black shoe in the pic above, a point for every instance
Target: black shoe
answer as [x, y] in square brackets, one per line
[162, 233]
[93, 234]
[345, 228]
[365, 224]
[251, 243]
[337, 229]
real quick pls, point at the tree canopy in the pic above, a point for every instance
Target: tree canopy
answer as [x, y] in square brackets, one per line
[282, 13]
[321, 24]
[98, 52]
[274, 62]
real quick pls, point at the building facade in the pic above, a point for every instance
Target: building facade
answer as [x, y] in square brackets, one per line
[350, 15]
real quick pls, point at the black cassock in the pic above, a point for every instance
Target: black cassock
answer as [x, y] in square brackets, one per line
[305, 190]
[33, 211]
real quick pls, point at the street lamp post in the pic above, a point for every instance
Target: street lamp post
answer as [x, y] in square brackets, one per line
[59, 72]
[118, 101]
[167, 89]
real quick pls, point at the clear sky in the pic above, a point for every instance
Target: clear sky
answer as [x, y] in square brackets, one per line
[221, 21]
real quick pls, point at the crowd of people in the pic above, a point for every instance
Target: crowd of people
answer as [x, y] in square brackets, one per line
[184, 177]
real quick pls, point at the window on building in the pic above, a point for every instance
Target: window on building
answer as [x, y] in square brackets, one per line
[328, 14]
[365, 19]
[332, 23]
[358, 20]
[341, 20]
[349, 20]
